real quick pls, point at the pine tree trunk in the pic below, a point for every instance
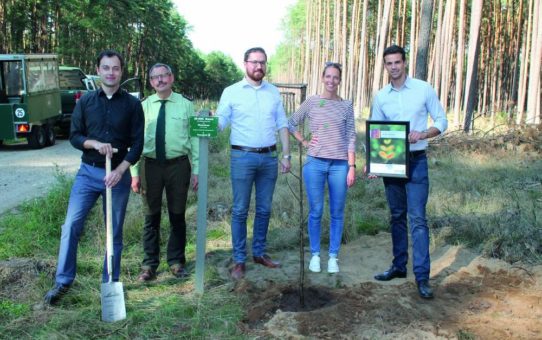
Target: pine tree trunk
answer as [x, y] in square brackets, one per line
[516, 58]
[447, 37]
[459, 64]
[423, 40]
[412, 54]
[309, 41]
[533, 99]
[472, 63]
[362, 69]
[522, 91]
[353, 47]
[344, 50]
[381, 46]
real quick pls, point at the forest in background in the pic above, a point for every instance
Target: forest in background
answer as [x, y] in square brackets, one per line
[482, 57]
[143, 31]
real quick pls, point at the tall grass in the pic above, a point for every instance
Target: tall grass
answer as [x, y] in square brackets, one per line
[489, 201]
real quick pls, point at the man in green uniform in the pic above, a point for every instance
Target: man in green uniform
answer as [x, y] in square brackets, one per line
[170, 159]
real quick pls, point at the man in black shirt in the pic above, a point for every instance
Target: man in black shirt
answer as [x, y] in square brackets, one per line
[102, 120]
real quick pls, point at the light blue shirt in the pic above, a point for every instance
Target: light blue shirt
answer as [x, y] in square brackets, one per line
[412, 102]
[255, 114]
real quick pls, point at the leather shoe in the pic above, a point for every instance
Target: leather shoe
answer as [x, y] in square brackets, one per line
[147, 275]
[390, 274]
[424, 289]
[238, 271]
[178, 270]
[55, 294]
[266, 261]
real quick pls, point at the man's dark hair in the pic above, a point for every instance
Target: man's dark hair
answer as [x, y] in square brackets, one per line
[252, 50]
[394, 49]
[109, 54]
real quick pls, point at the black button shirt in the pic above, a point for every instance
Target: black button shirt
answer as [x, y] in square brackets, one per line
[118, 121]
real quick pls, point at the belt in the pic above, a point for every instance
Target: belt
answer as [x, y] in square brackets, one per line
[94, 164]
[167, 161]
[414, 154]
[256, 150]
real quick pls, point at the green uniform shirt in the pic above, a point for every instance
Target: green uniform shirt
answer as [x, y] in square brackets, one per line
[178, 140]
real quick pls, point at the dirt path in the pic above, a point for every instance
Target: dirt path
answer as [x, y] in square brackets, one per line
[26, 173]
[475, 298]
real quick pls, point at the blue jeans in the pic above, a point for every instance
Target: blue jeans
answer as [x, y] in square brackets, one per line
[409, 197]
[248, 169]
[316, 171]
[88, 186]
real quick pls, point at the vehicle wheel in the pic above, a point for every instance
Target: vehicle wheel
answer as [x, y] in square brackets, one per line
[50, 136]
[36, 139]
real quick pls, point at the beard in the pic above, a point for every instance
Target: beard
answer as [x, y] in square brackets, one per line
[256, 75]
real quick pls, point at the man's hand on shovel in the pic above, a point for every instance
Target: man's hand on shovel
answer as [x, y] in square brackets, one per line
[114, 177]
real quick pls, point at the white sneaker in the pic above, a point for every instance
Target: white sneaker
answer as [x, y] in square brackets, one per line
[332, 265]
[314, 265]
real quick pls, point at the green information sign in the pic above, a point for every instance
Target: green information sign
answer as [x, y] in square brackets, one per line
[203, 126]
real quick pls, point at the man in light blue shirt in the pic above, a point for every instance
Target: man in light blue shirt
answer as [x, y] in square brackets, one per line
[408, 99]
[253, 108]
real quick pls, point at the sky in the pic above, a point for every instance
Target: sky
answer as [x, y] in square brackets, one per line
[234, 26]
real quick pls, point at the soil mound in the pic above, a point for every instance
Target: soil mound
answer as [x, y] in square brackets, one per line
[475, 297]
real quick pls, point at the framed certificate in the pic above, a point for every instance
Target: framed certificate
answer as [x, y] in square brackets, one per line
[387, 148]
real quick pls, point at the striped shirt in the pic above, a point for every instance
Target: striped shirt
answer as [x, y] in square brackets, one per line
[332, 121]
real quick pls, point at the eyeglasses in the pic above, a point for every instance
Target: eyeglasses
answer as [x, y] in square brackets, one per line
[256, 62]
[161, 76]
[330, 63]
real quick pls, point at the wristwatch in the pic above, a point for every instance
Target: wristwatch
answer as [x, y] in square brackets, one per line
[352, 166]
[288, 157]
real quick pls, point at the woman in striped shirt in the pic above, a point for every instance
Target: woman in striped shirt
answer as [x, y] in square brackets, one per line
[330, 158]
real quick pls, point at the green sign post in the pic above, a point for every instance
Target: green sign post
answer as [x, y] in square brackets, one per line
[202, 126]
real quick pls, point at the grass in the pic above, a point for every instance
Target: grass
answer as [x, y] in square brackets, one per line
[488, 198]
[12, 310]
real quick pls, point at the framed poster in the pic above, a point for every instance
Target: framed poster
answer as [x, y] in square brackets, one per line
[387, 148]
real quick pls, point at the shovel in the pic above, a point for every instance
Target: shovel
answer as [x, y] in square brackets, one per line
[113, 308]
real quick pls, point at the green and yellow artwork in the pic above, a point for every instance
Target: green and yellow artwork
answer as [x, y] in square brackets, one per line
[388, 143]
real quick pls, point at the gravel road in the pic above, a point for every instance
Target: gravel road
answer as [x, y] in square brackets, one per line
[26, 173]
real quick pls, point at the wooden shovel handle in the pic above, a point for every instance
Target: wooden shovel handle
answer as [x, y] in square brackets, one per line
[109, 220]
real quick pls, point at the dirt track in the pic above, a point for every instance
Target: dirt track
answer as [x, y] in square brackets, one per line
[26, 173]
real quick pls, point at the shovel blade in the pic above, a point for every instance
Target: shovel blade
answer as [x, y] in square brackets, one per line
[113, 307]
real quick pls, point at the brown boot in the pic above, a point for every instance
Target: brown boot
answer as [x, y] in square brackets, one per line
[146, 275]
[238, 271]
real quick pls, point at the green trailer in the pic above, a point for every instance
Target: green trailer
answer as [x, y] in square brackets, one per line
[29, 98]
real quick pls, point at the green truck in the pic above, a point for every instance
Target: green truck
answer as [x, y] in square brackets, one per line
[30, 101]
[74, 83]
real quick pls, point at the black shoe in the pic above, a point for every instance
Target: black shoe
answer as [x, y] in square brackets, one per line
[424, 289]
[390, 274]
[178, 270]
[55, 294]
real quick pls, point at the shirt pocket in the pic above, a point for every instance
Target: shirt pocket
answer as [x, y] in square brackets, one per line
[179, 125]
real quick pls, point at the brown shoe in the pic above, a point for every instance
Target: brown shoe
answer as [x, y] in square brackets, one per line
[238, 271]
[266, 261]
[147, 275]
[178, 270]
